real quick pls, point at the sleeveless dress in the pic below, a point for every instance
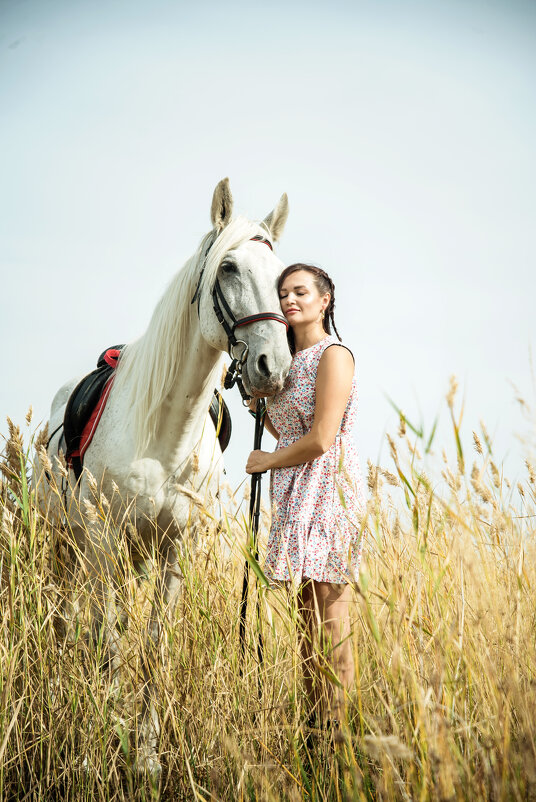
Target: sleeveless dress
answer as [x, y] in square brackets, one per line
[317, 506]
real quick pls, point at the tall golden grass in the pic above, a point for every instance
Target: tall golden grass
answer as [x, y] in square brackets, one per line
[444, 705]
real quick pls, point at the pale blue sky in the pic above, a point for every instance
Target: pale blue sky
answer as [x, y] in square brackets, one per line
[403, 133]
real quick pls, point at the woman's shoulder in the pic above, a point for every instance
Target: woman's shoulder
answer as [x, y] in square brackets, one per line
[326, 346]
[310, 358]
[336, 362]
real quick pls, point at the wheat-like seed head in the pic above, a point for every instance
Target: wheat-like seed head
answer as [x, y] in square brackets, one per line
[495, 474]
[61, 464]
[372, 477]
[390, 477]
[90, 511]
[42, 437]
[453, 389]
[45, 460]
[478, 485]
[92, 482]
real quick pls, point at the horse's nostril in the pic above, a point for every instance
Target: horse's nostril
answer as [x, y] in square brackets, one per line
[262, 365]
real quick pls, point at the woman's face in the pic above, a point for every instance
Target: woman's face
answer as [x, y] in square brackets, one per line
[300, 300]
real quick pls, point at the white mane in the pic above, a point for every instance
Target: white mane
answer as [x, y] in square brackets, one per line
[149, 366]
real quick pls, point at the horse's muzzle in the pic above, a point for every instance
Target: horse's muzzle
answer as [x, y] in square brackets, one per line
[262, 377]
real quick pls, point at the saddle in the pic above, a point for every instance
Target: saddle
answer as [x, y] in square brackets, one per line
[88, 400]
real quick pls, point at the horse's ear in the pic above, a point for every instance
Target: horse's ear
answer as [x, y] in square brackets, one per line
[275, 222]
[222, 205]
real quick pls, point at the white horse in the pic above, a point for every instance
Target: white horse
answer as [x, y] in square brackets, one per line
[155, 446]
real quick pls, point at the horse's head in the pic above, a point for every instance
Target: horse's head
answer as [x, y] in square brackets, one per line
[239, 280]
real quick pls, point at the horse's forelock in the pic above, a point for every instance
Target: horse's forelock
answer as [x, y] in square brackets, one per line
[239, 231]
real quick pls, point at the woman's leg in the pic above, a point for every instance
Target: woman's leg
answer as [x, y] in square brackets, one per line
[325, 610]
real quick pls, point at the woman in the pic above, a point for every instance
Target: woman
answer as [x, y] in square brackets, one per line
[316, 487]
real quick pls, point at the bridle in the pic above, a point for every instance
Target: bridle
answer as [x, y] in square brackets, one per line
[230, 323]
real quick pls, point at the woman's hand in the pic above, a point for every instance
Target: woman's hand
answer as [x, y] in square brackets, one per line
[258, 462]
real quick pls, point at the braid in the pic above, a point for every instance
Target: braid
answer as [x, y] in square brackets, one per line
[335, 327]
[330, 312]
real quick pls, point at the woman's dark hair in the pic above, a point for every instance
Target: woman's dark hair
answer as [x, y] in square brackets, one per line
[323, 284]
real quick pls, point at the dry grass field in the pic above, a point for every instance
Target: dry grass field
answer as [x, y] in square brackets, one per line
[444, 706]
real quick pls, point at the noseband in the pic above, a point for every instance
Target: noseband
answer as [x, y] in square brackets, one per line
[234, 373]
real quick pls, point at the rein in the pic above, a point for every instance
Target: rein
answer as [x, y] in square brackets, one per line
[254, 517]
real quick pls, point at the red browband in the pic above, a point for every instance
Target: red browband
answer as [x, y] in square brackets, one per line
[263, 315]
[260, 238]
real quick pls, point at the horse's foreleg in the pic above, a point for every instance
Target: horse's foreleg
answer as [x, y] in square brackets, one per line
[66, 562]
[103, 568]
[166, 591]
[167, 585]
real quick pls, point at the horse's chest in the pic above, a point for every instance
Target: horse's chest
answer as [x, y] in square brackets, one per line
[157, 490]
[152, 494]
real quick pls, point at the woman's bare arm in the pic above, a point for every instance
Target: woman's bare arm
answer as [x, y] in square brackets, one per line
[333, 386]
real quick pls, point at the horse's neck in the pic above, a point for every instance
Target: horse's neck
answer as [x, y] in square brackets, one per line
[184, 411]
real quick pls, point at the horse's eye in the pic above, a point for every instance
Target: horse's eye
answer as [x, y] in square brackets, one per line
[229, 267]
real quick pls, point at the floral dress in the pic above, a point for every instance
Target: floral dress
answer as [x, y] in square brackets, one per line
[316, 506]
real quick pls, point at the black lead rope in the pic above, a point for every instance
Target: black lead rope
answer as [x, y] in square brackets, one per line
[254, 517]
